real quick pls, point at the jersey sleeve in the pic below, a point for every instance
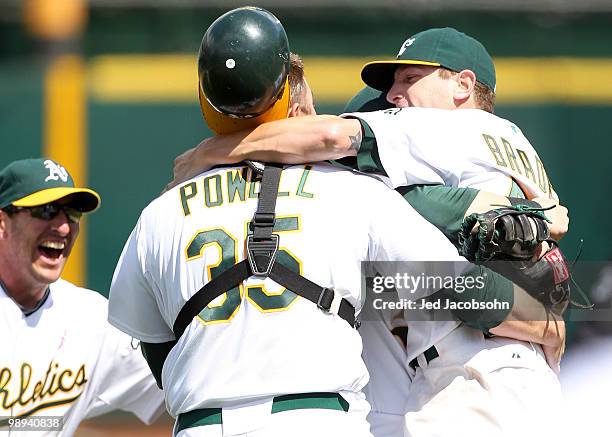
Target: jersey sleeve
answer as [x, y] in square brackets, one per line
[495, 289]
[133, 306]
[401, 234]
[123, 380]
[368, 158]
[443, 206]
[390, 147]
[404, 242]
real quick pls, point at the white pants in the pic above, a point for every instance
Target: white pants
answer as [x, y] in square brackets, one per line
[389, 385]
[504, 389]
[386, 424]
[297, 423]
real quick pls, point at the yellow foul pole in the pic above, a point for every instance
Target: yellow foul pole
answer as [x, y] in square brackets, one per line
[59, 25]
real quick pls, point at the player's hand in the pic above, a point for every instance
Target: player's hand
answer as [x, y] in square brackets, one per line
[189, 164]
[558, 215]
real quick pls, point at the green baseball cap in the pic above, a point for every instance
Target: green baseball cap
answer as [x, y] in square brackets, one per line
[444, 47]
[34, 182]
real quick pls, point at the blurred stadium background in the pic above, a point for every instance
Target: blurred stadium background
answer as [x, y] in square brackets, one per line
[108, 87]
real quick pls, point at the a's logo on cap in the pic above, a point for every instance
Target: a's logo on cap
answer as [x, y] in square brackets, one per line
[404, 46]
[56, 171]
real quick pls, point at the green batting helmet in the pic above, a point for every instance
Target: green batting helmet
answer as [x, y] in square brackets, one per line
[243, 69]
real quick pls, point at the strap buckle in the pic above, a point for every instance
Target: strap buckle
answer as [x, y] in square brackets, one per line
[326, 299]
[263, 220]
[258, 249]
[256, 166]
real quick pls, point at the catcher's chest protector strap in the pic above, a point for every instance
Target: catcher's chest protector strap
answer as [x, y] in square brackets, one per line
[262, 247]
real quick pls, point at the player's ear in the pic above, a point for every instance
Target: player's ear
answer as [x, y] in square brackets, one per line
[466, 81]
[294, 110]
[3, 224]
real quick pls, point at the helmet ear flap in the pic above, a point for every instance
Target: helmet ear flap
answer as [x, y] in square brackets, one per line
[221, 123]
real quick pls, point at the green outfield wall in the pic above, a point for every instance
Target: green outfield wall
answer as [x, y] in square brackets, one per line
[131, 140]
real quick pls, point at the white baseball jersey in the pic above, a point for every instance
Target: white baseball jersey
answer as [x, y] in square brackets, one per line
[460, 148]
[261, 340]
[476, 149]
[66, 360]
[457, 148]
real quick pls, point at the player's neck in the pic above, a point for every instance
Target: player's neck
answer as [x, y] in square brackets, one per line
[23, 294]
[466, 104]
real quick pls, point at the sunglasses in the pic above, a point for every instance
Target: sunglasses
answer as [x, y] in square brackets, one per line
[48, 211]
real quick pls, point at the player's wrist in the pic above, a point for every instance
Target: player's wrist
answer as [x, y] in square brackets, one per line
[514, 201]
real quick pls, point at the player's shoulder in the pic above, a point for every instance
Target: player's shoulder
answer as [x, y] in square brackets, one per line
[68, 290]
[320, 168]
[422, 119]
[188, 188]
[79, 302]
[484, 118]
[470, 121]
[165, 199]
[440, 115]
[360, 191]
[329, 181]
[86, 311]
[346, 180]
[156, 211]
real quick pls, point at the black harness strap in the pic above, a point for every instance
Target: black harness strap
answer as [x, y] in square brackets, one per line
[262, 247]
[227, 280]
[263, 220]
[321, 296]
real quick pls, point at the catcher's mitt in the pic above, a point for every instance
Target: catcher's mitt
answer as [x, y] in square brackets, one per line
[506, 241]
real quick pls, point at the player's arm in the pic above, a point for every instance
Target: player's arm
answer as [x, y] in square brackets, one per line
[294, 140]
[132, 306]
[524, 318]
[530, 321]
[124, 380]
[447, 207]
[155, 355]
[557, 214]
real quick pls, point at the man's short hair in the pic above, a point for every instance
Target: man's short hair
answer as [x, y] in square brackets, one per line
[483, 95]
[296, 78]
